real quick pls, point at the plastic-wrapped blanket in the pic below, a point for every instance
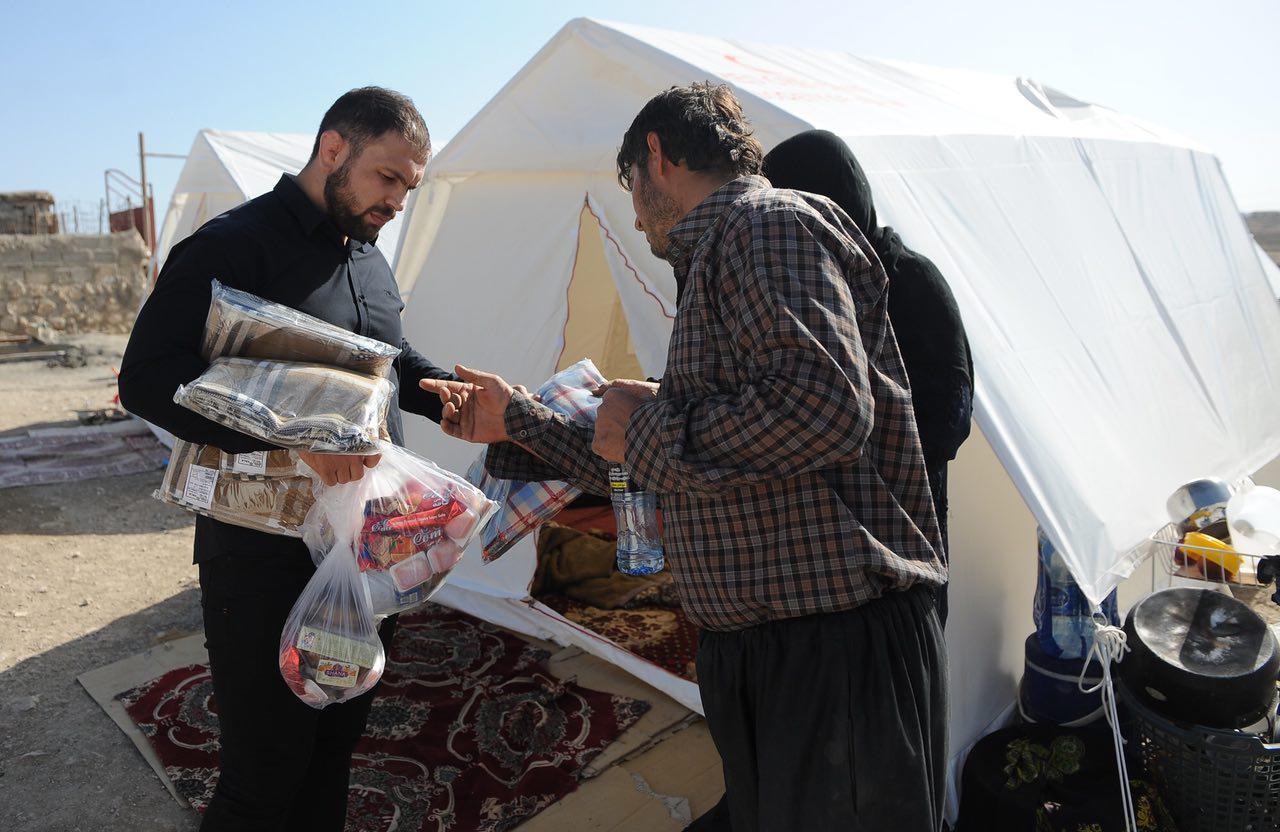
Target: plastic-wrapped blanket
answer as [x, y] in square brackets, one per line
[527, 505]
[263, 491]
[308, 406]
[245, 325]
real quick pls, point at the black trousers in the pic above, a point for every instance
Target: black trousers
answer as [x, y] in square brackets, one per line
[283, 765]
[830, 723]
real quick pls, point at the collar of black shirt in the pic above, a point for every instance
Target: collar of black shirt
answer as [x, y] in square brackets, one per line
[685, 234]
[309, 216]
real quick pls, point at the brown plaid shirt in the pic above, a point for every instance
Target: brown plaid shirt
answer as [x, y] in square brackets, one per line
[782, 443]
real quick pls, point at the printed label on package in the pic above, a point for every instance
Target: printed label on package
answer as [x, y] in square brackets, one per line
[337, 647]
[254, 463]
[199, 489]
[337, 674]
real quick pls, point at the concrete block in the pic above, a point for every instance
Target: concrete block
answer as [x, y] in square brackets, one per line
[12, 256]
[75, 255]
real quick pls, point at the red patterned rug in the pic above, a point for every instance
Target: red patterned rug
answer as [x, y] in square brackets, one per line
[660, 634]
[469, 730]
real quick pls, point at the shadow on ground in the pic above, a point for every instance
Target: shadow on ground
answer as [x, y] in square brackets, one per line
[64, 765]
[105, 506]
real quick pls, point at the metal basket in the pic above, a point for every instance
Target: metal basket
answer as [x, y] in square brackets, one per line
[1167, 542]
[1210, 780]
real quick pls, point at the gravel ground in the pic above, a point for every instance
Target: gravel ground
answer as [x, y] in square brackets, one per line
[90, 573]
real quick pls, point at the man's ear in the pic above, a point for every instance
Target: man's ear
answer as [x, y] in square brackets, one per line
[333, 150]
[659, 163]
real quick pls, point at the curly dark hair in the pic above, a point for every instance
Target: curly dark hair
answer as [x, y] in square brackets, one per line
[701, 126]
[366, 114]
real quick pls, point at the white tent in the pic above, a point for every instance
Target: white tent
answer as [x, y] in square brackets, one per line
[1124, 332]
[224, 169]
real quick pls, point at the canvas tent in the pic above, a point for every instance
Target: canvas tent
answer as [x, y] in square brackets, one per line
[225, 168]
[1123, 328]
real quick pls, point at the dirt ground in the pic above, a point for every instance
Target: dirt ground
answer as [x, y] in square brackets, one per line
[90, 573]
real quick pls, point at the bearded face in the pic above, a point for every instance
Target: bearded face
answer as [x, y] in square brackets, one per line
[358, 217]
[656, 212]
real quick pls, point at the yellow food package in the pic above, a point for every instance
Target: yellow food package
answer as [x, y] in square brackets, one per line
[1212, 550]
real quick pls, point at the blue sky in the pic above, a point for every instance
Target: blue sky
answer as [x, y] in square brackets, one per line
[82, 78]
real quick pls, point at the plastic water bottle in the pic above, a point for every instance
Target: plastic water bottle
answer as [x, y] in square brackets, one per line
[636, 511]
[1062, 613]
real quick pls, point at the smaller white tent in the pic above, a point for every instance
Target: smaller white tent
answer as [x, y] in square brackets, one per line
[225, 168]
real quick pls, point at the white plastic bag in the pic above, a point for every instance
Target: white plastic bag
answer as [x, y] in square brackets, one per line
[329, 648]
[408, 522]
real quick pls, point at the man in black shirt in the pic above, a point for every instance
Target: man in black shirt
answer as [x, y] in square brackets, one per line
[308, 244]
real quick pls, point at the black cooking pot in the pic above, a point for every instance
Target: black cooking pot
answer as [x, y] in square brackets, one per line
[1201, 657]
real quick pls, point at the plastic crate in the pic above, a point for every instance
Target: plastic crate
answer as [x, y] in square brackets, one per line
[1211, 780]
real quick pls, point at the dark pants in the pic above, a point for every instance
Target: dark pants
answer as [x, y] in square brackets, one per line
[830, 722]
[282, 765]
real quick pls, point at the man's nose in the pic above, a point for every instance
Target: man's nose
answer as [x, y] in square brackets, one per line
[639, 227]
[397, 200]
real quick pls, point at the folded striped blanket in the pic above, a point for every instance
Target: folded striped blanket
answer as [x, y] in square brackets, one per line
[203, 479]
[527, 505]
[307, 406]
[242, 324]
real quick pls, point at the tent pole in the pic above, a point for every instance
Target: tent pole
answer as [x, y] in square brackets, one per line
[146, 215]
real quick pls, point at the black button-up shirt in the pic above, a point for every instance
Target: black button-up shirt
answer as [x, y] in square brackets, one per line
[282, 247]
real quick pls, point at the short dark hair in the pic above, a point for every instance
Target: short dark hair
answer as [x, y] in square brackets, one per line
[368, 113]
[701, 126]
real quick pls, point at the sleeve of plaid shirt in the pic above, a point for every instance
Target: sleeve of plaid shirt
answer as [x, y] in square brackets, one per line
[806, 400]
[561, 449]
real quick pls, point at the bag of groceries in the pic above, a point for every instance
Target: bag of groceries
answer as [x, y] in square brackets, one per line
[525, 506]
[329, 648]
[408, 522]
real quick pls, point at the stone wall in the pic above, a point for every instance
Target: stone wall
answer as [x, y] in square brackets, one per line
[27, 212]
[54, 285]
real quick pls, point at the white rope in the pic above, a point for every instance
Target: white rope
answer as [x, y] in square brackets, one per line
[1110, 643]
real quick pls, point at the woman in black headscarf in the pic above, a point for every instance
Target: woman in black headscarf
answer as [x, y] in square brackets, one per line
[925, 318]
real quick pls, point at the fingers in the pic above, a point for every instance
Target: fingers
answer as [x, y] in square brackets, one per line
[476, 376]
[350, 468]
[468, 423]
[444, 388]
[372, 460]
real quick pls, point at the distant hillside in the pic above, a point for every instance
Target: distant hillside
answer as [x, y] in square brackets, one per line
[1265, 226]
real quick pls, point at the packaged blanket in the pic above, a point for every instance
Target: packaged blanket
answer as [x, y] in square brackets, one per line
[307, 406]
[245, 325]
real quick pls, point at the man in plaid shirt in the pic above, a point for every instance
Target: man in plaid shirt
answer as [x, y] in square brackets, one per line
[798, 521]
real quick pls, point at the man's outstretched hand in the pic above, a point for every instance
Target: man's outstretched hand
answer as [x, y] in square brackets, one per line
[474, 408]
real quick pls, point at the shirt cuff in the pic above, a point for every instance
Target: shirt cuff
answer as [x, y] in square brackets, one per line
[525, 419]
